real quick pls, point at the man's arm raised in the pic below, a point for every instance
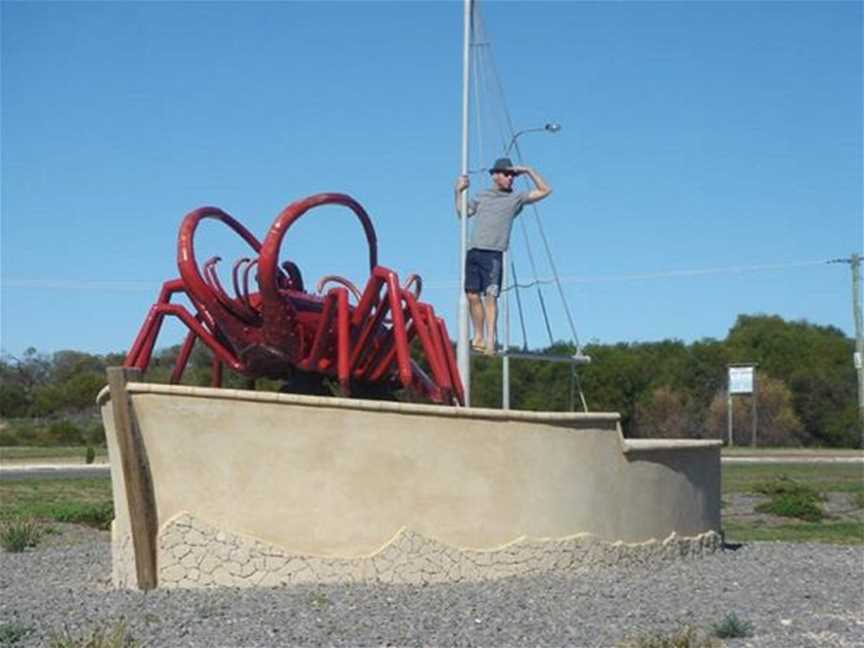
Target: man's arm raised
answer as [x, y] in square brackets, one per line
[541, 187]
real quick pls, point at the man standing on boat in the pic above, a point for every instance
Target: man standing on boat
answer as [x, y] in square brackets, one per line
[493, 211]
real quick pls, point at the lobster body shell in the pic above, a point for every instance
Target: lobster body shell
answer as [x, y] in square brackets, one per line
[280, 329]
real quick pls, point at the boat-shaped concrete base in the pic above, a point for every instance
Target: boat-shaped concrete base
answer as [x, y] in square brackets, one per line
[243, 488]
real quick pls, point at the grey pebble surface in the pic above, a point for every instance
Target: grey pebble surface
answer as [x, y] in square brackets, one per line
[793, 594]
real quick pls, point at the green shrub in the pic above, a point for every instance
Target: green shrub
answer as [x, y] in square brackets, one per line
[8, 438]
[685, 638]
[95, 434]
[12, 633]
[97, 515]
[18, 535]
[90, 455]
[790, 499]
[795, 505]
[731, 627]
[65, 432]
[115, 636]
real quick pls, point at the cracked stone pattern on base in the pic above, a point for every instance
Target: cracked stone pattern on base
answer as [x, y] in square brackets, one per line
[192, 553]
[122, 558]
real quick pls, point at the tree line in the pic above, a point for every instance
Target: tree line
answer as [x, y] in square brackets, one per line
[806, 386]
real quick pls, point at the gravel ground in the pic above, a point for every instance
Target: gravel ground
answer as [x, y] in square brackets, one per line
[793, 594]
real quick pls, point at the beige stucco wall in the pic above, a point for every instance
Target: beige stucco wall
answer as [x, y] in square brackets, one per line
[340, 478]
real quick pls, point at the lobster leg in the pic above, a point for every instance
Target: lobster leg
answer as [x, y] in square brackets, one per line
[403, 357]
[159, 311]
[420, 315]
[343, 340]
[215, 372]
[450, 357]
[322, 335]
[142, 349]
[183, 358]
[363, 347]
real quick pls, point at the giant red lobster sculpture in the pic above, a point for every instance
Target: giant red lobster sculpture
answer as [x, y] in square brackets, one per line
[282, 330]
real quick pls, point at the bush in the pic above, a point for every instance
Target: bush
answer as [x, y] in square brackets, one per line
[686, 638]
[790, 499]
[14, 400]
[731, 627]
[99, 514]
[12, 633]
[18, 535]
[778, 424]
[95, 434]
[90, 455]
[794, 505]
[102, 637]
[65, 432]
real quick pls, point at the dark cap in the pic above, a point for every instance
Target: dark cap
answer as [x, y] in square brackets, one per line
[501, 164]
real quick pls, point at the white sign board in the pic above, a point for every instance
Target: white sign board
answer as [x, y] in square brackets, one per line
[740, 380]
[857, 359]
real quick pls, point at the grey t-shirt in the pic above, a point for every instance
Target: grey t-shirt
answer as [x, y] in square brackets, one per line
[493, 213]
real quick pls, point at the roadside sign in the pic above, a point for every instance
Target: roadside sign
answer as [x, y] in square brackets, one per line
[740, 380]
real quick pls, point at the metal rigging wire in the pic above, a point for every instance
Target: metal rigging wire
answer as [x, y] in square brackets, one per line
[487, 77]
[489, 66]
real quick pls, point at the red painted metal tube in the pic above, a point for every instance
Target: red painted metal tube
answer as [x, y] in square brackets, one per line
[215, 372]
[278, 312]
[342, 350]
[200, 294]
[183, 357]
[452, 365]
[433, 354]
[400, 340]
[168, 289]
[193, 324]
[323, 334]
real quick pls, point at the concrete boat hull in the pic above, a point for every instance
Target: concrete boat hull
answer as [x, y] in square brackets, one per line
[332, 486]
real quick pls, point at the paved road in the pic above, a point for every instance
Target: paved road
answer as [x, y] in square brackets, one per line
[792, 458]
[53, 471]
[82, 471]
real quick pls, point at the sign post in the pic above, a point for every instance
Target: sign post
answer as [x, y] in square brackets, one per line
[742, 380]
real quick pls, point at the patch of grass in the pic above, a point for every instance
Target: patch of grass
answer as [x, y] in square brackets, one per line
[12, 633]
[18, 535]
[823, 478]
[858, 500]
[731, 627]
[685, 638]
[844, 533]
[775, 450]
[318, 600]
[48, 453]
[114, 636]
[795, 505]
[84, 501]
[790, 498]
[783, 484]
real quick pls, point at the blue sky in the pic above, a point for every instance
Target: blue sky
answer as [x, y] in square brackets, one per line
[710, 157]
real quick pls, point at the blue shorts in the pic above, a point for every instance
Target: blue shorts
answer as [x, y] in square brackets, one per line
[483, 271]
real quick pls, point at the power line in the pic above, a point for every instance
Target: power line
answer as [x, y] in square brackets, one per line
[660, 274]
[137, 285]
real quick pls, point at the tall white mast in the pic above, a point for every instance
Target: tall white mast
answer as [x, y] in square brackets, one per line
[463, 351]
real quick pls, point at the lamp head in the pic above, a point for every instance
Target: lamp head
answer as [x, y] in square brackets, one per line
[552, 127]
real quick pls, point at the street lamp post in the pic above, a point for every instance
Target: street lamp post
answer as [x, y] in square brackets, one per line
[551, 127]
